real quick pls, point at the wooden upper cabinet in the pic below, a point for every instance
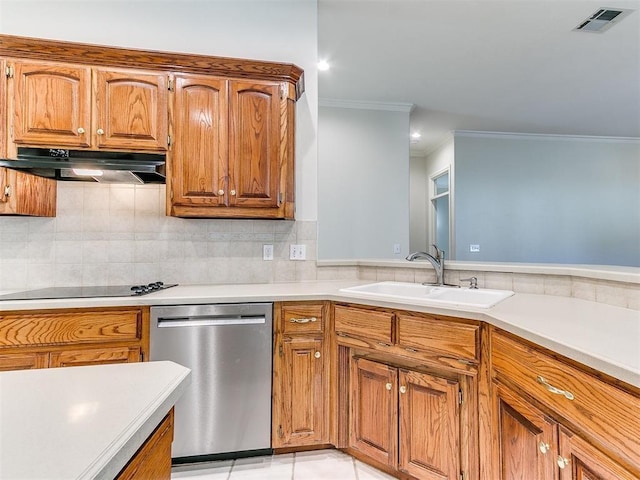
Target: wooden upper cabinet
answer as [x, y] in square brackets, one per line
[131, 110]
[75, 106]
[51, 104]
[198, 167]
[255, 144]
[232, 155]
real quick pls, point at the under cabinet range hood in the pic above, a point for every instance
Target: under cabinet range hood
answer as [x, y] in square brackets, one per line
[91, 166]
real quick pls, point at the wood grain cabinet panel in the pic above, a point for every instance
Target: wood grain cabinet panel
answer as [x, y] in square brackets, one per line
[608, 413]
[94, 356]
[371, 326]
[131, 110]
[579, 460]
[429, 426]
[23, 361]
[300, 376]
[51, 104]
[152, 461]
[374, 411]
[527, 439]
[25, 194]
[198, 167]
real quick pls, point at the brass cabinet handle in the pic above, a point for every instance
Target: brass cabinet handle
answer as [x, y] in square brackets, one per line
[388, 386]
[544, 447]
[80, 130]
[317, 354]
[403, 389]
[562, 462]
[220, 192]
[232, 193]
[567, 394]
[100, 131]
[303, 320]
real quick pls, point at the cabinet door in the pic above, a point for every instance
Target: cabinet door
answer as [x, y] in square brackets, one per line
[254, 156]
[51, 104]
[578, 460]
[95, 356]
[301, 416]
[527, 439]
[374, 411]
[429, 426]
[200, 151]
[23, 361]
[131, 110]
[25, 194]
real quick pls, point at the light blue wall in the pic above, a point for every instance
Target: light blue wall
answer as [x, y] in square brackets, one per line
[363, 175]
[547, 199]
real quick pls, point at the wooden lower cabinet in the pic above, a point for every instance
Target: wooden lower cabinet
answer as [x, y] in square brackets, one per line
[73, 337]
[152, 461]
[527, 439]
[300, 376]
[407, 420]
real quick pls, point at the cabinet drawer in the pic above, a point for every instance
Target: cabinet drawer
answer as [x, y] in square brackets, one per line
[302, 319]
[442, 337]
[605, 412]
[23, 361]
[369, 325]
[95, 356]
[57, 328]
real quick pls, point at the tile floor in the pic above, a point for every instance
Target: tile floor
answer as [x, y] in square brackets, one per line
[316, 465]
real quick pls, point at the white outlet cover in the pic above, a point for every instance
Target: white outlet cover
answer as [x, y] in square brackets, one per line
[396, 248]
[267, 252]
[297, 252]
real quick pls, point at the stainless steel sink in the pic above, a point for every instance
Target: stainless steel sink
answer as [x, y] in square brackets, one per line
[430, 295]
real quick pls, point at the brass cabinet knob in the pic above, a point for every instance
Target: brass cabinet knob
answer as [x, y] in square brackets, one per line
[403, 389]
[562, 462]
[317, 354]
[544, 447]
[220, 192]
[80, 130]
[232, 193]
[388, 386]
[100, 131]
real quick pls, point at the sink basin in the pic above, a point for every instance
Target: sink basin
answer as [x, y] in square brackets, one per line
[430, 295]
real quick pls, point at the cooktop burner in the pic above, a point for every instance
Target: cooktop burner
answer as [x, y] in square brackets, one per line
[87, 292]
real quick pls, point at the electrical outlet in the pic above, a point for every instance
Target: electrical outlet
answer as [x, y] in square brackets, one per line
[396, 248]
[474, 248]
[297, 252]
[267, 252]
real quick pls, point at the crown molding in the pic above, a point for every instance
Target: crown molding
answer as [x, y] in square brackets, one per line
[548, 136]
[366, 105]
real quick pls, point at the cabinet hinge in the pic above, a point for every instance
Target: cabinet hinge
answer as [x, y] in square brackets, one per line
[280, 350]
[168, 140]
[461, 475]
[7, 191]
[280, 198]
[8, 71]
[142, 356]
[283, 91]
[460, 396]
[170, 84]
[280, 432]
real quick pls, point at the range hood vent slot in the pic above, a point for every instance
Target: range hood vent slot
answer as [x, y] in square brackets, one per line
[90, 166]
[602, 20]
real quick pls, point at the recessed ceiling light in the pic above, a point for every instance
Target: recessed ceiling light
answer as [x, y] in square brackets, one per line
[416, 135]
[323, 65]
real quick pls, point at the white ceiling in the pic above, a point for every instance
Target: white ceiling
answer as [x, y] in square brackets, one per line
[505, 66]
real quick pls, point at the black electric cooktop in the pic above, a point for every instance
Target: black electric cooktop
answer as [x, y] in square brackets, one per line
[87, 292]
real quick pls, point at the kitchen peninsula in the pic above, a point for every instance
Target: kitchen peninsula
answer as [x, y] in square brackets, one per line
[88, 422]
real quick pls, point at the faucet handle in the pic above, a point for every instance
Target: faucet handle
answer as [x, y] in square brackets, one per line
[473, 282]
[439, 253]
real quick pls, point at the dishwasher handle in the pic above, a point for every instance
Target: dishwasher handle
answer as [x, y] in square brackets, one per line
[210, 321]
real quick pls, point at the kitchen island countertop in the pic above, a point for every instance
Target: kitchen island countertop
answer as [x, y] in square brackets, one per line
[82, 422]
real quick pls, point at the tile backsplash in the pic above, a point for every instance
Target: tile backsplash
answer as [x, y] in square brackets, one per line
[119, 234]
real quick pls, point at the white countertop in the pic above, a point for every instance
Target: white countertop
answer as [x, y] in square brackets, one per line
[82, 422]
[604, 337]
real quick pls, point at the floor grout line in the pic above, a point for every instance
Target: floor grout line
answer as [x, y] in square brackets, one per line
[355, 468]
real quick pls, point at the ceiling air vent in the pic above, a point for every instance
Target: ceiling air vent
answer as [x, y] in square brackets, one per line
[602, 19]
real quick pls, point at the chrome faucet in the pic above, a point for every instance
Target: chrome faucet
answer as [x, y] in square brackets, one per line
[437, 262]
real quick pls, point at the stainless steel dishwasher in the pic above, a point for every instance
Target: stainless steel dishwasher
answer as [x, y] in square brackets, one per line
[226, 411]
